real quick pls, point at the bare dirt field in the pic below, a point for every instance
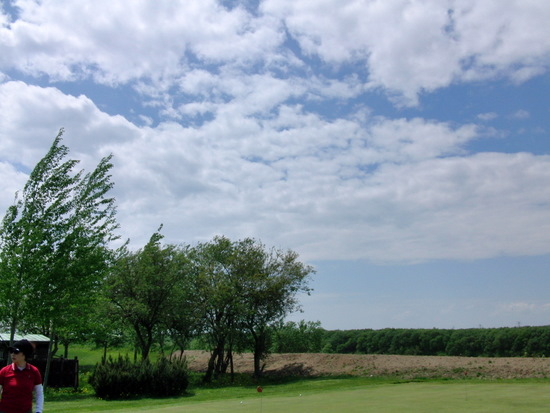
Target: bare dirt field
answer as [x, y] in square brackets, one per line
[385, 365]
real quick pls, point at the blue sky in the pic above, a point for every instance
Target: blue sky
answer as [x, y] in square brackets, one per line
[400, 147]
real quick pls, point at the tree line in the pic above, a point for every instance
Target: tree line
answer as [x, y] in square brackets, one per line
[61, 277]
[528, 341]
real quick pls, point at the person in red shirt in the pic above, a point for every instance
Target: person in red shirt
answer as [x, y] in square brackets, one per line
[19, 380]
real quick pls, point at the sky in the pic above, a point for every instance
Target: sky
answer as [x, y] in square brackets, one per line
[400, 147]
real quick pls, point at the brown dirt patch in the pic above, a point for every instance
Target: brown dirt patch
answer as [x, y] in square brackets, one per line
[385, 365]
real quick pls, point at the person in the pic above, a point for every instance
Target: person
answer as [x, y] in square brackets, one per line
[19, 380]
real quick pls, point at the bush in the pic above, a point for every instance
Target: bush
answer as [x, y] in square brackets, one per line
[168, 377]
[115, 379]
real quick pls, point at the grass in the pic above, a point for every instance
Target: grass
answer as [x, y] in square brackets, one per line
[324, 395]
[347, 395]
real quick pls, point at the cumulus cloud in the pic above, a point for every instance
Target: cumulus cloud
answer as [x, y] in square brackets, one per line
[403, 47]
[108, 40]
[32, 116]
[413, 46]
[362, 187]
[257, 122]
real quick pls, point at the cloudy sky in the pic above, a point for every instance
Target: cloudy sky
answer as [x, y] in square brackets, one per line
[401, 147]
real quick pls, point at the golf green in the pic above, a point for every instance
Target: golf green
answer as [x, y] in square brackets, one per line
[409, 397]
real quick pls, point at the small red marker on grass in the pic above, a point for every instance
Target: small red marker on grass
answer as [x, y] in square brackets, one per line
[260, 390]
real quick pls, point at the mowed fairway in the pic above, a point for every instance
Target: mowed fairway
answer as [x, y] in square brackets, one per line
[407, 397]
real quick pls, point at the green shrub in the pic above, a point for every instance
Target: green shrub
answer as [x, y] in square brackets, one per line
[121, 378]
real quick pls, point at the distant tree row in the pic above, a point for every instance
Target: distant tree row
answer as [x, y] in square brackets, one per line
[475, 342]
[310, 337]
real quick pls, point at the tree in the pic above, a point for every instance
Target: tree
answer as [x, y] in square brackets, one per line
[29, 227]
[217, 296]
[54, 244]
[184, 320]
[145, 290]
[104, 328]
[246, 290]
[269, 283]
[302, 337]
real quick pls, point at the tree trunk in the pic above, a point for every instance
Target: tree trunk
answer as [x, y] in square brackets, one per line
[219, 363]
[210, 370]
[12, 335]
[257, 365]
[259, 351]
[231, 366]
[144, 340]
[51, 351]
[215, 363]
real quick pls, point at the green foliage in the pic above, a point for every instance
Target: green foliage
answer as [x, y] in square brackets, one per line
[474, 342]
[54, 247]
[302, 337]
[169, 377]
[120, 378]
[116, 379]
[148, 289]
[245, 290]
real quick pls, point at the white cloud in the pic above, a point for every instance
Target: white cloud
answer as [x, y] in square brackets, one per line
[404, 47]
[4, 20]
[521, 114]
[250, 157]
[487, 116]
[479, 206]
[32, 116]
[12, 181]
[374, 188]
[123, 41]
[414, 46]
[418, 309]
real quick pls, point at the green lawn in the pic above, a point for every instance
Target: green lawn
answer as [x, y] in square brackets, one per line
[341, 395]
[323, 395]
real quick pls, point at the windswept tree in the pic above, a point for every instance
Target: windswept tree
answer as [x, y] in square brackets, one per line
[146, 289]
[213, 263]
[246, 290]
[31, 230]
[269, 281]
[185, 319]
[54, 244]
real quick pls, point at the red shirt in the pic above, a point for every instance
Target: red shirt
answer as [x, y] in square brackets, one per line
[17, 387]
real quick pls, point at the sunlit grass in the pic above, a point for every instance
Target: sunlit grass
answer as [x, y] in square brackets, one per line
[321, 395]
[347, 395]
